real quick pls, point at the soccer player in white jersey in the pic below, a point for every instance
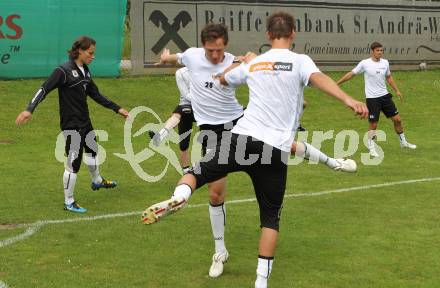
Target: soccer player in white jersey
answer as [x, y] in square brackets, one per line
[261, 141]
[216, 110]
[376, 70]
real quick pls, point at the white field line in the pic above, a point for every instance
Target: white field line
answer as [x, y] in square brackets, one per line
[35, 227]
[3, 284]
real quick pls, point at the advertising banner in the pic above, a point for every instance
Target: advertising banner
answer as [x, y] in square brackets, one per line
[336, 34]
[35, 35]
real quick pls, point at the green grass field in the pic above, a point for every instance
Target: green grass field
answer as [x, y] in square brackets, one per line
[372, 236]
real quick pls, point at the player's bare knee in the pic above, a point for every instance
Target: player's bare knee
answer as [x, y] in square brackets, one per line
[216, 194]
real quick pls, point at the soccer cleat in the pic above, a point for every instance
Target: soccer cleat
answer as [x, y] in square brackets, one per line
[345, 165]
[104, 184]
[159, 210]
[74, 207]
[407, 145]
[218, 261]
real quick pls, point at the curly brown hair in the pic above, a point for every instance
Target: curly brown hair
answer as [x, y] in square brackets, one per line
[83, 43]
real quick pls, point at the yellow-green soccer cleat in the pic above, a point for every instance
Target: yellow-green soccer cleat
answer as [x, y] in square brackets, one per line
[159, 210]
[104, 184]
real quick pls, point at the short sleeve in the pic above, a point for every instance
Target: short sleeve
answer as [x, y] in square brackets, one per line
[360, 68]
[237, 76]
[183, 58]
[308, 67]
[388, 72]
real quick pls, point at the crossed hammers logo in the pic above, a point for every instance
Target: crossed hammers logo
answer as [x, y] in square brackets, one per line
[181, 20]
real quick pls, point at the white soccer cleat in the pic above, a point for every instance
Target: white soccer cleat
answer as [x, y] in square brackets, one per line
[346, 165]
[159, 210]
[218, 261]
[408, 145]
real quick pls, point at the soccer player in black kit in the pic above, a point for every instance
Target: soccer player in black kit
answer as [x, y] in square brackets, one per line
[74, 83]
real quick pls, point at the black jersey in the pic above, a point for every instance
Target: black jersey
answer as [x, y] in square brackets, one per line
[73, 89]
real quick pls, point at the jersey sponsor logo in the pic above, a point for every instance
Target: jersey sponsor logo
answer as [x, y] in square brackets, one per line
[271, 66]
[75, 73]
[281, 66]
[261, 66]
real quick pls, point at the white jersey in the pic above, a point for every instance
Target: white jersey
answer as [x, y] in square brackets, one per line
[374, 76]
[212, 104]
[182, 80]
[276, 81]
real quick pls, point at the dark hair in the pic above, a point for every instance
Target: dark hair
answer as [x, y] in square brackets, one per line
[212, 32]
[280, 25]
[83, 43]
[375, 45]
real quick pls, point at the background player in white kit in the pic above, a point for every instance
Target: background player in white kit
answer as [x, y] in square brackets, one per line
[182, 117]
[276, 81]
[376, 70]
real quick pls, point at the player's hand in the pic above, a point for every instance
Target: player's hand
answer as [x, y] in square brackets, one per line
[399, 95]
[358, 107]
[23, 117]
[163, 57]
[124, 113]
[248, 57]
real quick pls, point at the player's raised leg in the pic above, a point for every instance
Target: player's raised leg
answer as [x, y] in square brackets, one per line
[307, 151]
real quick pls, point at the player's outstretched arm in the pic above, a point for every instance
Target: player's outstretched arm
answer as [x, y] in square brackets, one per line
[57, 78]
[327, 85]
[167, 58]
[346, 77]
[23, 117]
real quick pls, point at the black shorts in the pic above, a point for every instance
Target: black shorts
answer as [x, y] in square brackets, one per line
[266, 165]
[78, 140]
[185, 125]
[384, 104]
[210, 135]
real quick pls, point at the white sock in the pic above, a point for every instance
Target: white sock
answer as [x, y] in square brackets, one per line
[69, 180]
[402, 137]
[93, 169]
[264, 269]
[314, 154]
[183, 190]
[371, 137]
[217, 214]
